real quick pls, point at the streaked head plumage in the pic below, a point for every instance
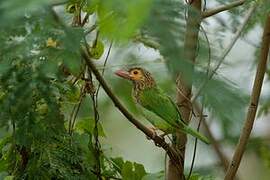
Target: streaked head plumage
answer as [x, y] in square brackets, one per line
[139, 76]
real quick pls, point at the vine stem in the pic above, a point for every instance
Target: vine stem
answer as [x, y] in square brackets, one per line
[253, 105]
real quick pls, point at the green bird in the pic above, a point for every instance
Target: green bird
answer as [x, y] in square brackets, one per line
[155, 105]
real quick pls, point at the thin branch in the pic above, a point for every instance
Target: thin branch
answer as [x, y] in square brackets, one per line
[104, 64]
[75, 111]
[201, 117]
[91, 29]
[254, 99]
[158, 140]
[222, 8]
[226, 52]
[196, 142]
[223, 159]
[85, 19]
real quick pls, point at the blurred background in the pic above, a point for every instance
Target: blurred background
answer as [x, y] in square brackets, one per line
[152, 37]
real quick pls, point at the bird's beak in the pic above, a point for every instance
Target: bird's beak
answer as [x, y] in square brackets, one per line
[123, 74]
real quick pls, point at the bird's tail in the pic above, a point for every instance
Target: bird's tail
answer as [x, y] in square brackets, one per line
[196, 134]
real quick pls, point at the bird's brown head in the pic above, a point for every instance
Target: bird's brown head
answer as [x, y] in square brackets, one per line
[139, 76]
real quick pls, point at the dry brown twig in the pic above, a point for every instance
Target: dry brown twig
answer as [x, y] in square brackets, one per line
[211, 12]
[254, 99]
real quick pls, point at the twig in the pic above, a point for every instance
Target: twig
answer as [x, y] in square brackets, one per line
[222, 8]
[224, 160]
[196, 142]
[104, 64]
[85, 19]
[227, 50]
[203, 101]
[254, 99]
[76, 111]
[158, 140]
[91, 29]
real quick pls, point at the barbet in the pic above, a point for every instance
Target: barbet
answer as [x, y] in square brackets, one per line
[155, 105]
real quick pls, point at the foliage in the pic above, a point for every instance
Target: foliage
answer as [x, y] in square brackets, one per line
[36, 57]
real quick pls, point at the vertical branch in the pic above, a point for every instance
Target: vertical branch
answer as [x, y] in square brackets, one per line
[95, 133]
[190, 49]
[254, 99]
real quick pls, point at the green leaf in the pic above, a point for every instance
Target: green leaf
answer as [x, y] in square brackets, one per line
[72, 39]
[5, 141]
[91, 6]
[87, 125]
[17, 8]
[97, 51]
[139, 170]
[118, 163]
[9, 178]
[196, 176]
[132, 171]
[72, 61]
[129, 15]
[154, 176]
[127, 171]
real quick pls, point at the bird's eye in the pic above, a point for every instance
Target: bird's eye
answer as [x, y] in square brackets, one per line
[135, 72]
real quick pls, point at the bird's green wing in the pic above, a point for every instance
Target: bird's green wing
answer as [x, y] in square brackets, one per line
[185, 128]
[182, 122]
[155, 120]
[156, 101]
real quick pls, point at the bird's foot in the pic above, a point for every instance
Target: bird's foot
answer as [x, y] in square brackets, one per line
[163, 135]
[154, 133]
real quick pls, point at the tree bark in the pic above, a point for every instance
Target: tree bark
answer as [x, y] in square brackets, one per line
[254, 99]
[184, 95]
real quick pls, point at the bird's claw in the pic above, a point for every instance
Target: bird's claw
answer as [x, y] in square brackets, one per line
[163, 135]
[154, 133]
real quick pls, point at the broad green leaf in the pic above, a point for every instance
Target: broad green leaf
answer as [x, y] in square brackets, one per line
[154, 176]
[97, 51]
[72, 61]
[139, 170]
[4, 141]
[118, 163]
[88, 125]
[90, 6]
[119, 19]
[127, 171]
[9, 178]
[132, 171]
